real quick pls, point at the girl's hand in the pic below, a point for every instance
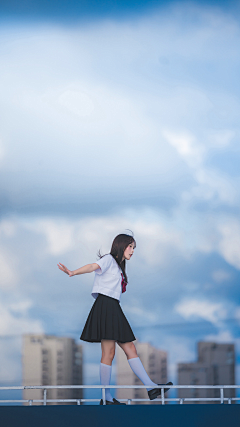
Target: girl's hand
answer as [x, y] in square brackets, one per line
[65, 270]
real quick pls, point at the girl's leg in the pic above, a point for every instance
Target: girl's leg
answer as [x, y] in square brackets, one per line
[136, 364]
[108, 353]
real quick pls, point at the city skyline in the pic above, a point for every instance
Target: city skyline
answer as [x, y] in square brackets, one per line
[53, 356]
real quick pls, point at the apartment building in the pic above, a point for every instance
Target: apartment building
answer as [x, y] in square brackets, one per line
[215, 366]
[51, 360]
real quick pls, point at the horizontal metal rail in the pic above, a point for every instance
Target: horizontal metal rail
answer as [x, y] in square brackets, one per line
[221, 399]
[97, 386]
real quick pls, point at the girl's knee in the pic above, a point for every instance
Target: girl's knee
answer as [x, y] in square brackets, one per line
[108, 353]
[112, 353]
[130, 350]
[107, 359]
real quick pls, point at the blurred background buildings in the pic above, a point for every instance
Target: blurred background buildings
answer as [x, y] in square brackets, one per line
[215, 366]
[51, 360]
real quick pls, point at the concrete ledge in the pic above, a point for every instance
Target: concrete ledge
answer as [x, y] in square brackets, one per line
[121, 416]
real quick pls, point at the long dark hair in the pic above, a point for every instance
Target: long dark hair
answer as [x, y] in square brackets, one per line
[119, 244]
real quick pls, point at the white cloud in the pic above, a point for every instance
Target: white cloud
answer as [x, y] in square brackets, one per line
[193, 308]
[10, 366]
[229, 241]
[93, 119]
[14, 319]
[155, 239]
[7, 228]
[180, 349]
[187, 147]
[59, 234]
[220, 337]
[141, 315]
[212, 186]
[1, 151]
[21, 307]
[220, 276]
[77, 102]
[221, 139]
[237, 314]
[9, 276]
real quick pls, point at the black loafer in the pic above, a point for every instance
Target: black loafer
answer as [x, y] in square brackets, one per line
[115, 402]
[155, 392]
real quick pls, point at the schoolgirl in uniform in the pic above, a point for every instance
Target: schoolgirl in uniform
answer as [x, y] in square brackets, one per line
[106, 322]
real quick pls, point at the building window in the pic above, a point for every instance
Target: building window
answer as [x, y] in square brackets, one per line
[34, 339]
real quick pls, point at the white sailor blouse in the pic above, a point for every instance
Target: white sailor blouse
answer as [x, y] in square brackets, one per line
[109, 279]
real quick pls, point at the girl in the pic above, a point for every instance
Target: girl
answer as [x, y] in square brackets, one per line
[106, 322]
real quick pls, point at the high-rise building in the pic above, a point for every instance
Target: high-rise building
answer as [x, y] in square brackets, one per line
[153, 360]
[215, 366]
[51, 360]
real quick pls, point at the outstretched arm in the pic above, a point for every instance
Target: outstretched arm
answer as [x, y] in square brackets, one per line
[89, 268]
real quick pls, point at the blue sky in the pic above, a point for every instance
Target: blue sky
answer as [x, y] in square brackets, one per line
[92, 9]
[112, 118]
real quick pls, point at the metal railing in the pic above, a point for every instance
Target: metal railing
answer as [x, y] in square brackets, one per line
[221, 399]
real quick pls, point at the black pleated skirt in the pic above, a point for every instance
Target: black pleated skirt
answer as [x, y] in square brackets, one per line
[106, 321]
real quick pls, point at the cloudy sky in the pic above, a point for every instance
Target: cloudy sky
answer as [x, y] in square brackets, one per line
[117, 117]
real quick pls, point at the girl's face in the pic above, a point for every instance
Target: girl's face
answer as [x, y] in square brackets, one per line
[129, 251]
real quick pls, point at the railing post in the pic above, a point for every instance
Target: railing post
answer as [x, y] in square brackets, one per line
[129, 402]
[45, 396]
[104, 395]
[162, 396]
[181, 401]
[78, 401]
[222, 396]
[229, 401]
[30, 402]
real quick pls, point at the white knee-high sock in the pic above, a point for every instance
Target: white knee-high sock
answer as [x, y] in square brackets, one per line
[105, 377]
[138, 369]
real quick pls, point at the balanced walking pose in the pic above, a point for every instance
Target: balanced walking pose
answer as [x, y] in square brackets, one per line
[106, 322]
